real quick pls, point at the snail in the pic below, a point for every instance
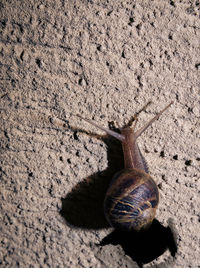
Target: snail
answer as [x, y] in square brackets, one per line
[132, 198]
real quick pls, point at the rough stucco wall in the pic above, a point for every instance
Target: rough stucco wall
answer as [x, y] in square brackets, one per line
[104, 60]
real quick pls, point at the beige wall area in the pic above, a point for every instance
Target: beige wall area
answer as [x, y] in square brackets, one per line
[104, 60]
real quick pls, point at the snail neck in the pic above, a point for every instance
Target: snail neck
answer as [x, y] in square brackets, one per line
[132, 155]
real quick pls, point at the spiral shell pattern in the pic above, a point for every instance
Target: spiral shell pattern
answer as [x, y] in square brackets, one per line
[131, 200]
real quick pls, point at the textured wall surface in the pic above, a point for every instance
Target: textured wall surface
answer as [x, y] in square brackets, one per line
[104, 60]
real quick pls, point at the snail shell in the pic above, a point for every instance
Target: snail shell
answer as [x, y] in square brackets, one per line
[131, 200]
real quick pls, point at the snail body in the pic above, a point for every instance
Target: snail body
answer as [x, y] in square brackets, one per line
[132, 197]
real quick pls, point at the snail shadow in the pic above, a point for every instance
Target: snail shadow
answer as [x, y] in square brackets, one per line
[83, 208]
[144, 247]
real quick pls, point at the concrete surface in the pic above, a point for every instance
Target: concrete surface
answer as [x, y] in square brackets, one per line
[104, 60]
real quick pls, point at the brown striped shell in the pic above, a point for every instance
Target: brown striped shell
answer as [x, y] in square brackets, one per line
[131, 200]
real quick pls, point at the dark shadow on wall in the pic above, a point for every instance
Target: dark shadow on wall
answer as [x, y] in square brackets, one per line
[144, 247]
[83, 208]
